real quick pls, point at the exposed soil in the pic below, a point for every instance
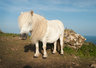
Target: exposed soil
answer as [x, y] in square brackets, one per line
[15, 53]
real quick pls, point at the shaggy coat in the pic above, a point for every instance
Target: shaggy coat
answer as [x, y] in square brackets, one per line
[46, 31]
[39, 29]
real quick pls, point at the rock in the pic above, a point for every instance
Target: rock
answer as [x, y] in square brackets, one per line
[77, 65]
[75, 57]
[13, 49]
[73, 39]
[93, 66]
[74, 63]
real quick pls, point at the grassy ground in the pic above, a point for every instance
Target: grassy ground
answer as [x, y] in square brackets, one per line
[15, 53]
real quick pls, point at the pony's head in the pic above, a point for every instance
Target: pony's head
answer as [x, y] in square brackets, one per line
[25, 24]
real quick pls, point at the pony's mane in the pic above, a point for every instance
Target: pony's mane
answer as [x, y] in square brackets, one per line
[39, 28]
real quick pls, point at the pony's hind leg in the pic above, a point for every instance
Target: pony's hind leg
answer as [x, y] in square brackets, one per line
[45, 52]
[37, 53]
[61, 44]
[54, 50]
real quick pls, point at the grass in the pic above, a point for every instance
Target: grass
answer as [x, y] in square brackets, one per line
[88, 49]
[8, 34]
[69, 50]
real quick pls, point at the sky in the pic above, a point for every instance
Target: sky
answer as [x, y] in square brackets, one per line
[78, 15]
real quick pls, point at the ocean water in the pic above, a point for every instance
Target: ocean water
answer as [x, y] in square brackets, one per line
[91, 39]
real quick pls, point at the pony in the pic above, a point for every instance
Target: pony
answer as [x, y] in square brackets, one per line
[41, 29]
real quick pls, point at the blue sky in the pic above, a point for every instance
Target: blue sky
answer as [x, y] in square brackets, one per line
[79, 15]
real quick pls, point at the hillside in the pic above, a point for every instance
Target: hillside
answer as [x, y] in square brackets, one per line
[15, 53]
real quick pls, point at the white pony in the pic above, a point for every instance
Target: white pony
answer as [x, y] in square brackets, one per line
[46, 31]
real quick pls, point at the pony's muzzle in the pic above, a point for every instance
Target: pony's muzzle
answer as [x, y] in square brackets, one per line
[23, 36]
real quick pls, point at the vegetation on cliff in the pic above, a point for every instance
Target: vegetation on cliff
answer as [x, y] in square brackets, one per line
[88, 49]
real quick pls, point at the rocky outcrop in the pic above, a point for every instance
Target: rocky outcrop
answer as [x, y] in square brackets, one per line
[73, 39]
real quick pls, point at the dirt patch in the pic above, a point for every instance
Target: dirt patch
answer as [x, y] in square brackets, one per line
[15, 53]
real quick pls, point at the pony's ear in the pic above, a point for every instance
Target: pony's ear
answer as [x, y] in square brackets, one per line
[31, 12]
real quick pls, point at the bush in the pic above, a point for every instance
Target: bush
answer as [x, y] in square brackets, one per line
[69, 50]
[87, 50]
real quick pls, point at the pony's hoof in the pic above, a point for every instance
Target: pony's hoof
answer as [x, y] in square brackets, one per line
[35, 56]
[53, 53]
[44, 57]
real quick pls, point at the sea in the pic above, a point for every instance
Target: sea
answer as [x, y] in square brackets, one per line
[91, 39]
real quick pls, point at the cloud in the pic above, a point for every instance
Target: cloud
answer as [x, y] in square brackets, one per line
[78, 3]
[85, 3]
[49, 5]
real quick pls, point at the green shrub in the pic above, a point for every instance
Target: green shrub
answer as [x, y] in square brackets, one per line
[87, 50]
[69, 50]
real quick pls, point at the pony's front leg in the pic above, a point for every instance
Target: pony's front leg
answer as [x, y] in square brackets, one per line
[45, 53]
[37, 53]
